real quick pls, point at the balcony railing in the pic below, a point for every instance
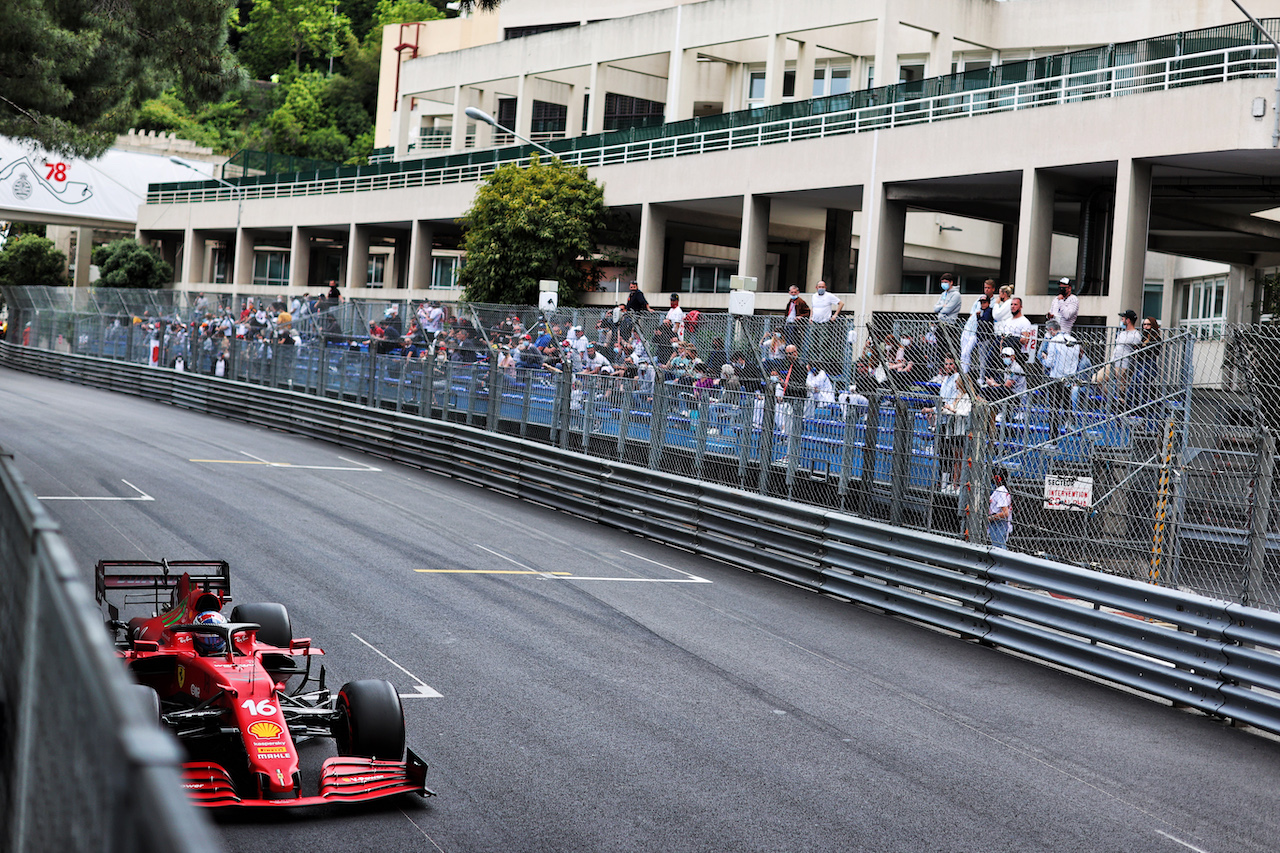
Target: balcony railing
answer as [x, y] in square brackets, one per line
[1220, 55]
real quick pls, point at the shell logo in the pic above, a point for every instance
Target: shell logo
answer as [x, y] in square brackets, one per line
[264, 730]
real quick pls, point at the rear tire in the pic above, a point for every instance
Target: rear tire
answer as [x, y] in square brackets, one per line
[370, 720]
[276, 629]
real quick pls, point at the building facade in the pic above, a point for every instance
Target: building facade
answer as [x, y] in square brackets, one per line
[1128, 147]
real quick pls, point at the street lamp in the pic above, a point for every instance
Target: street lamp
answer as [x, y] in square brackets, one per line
[480, 115]
[239, 197]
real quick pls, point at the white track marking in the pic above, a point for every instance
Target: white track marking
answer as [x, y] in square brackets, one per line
[141, 496]
[692, 577]
[420, 691]
[257, 460]
[516, 562]
[1180, 841]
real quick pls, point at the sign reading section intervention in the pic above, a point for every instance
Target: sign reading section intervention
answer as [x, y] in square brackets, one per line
[1069, 493]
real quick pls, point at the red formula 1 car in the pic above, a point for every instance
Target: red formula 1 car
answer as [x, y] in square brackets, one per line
[221, 686]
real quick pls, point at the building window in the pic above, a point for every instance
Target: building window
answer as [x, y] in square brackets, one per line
[1152, 299]
[271, 268]
[705, 279]
[444, 271]
[221, 264]
[623, 111]
[831, 80]
[756, 90]
[377, 271]
[1204, 306]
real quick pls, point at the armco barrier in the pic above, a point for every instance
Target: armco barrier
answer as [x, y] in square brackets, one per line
[82, 767]
[1223, 659]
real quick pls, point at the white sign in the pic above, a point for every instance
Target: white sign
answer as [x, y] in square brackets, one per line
[1068, 493]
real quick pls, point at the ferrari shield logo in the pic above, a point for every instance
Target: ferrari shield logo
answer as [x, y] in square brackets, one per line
[279, 776]
[182, 676]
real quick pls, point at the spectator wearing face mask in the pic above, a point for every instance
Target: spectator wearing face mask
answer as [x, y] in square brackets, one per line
[798, 312]
[999, 511]
[1065, 307]
[827, 337]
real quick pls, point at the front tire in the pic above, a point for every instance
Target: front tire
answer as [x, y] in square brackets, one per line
[370, 720]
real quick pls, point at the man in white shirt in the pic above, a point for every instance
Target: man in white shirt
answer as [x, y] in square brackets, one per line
[676, 315]
[578, 344]
[825, 305]
[1065, 307]
[1019, 332]
[827, 338]
[595, 362]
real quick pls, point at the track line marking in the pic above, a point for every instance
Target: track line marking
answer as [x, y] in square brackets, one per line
[254, 460]
[421, 690]
[528, 569]
[1180, 841]
[692, 577]
[141, 496]
[486, 572]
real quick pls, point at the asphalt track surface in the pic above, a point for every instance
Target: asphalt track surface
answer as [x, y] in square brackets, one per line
[603, 692]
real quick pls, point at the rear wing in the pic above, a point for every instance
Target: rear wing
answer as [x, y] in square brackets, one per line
[150, 581]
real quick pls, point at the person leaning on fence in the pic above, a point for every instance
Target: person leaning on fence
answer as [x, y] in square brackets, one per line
[824, 308]
[1146, 363]
[1060, 356]
[999, 511]
[797, 313]
[636, 300]
[947, 380]
[947, 311]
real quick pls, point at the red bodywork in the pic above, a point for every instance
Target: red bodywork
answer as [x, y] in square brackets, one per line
[236, 694]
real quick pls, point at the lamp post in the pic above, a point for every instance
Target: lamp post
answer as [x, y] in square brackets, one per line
[1275, 107]
[238, 195]
[480, 115]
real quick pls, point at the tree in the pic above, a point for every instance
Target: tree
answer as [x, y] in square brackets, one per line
[126, 263]
[543, 221]
[279, 28]
[74, 72]
[30, 259]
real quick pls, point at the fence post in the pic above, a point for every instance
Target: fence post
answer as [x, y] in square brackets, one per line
[766, 434]
[1260, 515]
[900, 464]
[870, 435]
[979, 469]
[657, 422]
[565, 411]
[495, 393]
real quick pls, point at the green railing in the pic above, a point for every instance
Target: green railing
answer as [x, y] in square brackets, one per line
[1215, 55]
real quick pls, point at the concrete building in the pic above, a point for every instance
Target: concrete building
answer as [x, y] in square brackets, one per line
[1129, 147]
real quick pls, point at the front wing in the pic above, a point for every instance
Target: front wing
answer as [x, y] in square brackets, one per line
[343, 779]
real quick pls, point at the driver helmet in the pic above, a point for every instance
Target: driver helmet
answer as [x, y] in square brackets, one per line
[210, 644]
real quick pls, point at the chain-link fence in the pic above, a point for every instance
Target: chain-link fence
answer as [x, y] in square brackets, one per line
[1138, 452]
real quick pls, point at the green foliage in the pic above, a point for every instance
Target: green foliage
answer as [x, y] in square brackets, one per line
[545, 221]
[31, 259]
[291, 28]
[220, 126]
[321, 117]
[126, 263]
[1271, 297]
[74, 72]
[405, 11]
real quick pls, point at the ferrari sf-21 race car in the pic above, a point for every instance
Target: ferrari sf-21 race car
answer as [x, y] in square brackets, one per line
[221, 686]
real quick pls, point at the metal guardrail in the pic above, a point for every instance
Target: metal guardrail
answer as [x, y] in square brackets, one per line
[1222, 659]
[82, 768]
[876, 109]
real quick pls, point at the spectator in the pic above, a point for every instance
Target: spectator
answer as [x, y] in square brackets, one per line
[1147, 362]
[947, 308]
[595, 362]
[987, 329]
[675, 316]
[717, 357]
[821, 392]
[947, 380]
[747, 372]
[636, 300]
[679, 364]
[798, 311]
[1011, 383]
[577, 344]
[999, 511]
[1002, 312]
[827, 336]
[969, 337]
[953, 430]
[729, 380]
[1019, 332]
[1065, 307]
[662, 348]
[1060, 356]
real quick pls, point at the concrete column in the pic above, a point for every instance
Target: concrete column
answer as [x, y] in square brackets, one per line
[1129, 236]
[1035, 237]
[806, 59]
[193, 259]
[595, 105]
[398, 274]
[649, 257]
[404, 124]
[486, 101]
[733, 96]
[673, 260]
[1009, 253]
[242, 273]
[886, 70]
[774, 69]
[573, 117]
[524, 107]
[1240, 295]
[458, 136]
[420, 237]
[680, 75]
[299, 257]
[837, 251]
[753, 254]
[84, 256]
[940, 49]
[358, 257]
